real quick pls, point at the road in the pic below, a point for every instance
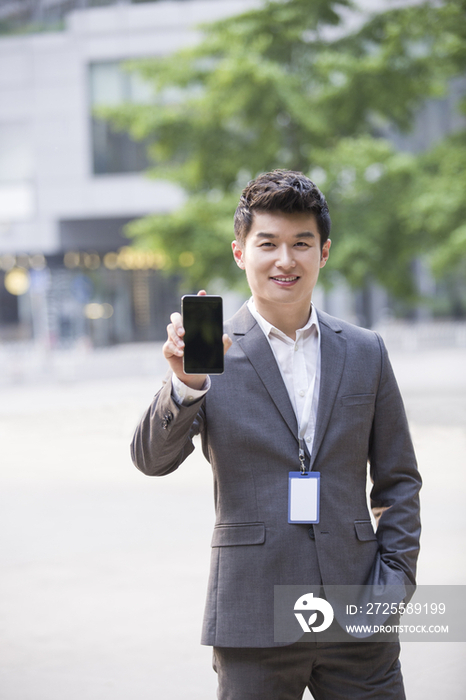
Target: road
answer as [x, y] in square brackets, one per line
[104, 570]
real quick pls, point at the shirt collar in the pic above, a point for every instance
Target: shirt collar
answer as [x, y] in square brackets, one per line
[269, 329]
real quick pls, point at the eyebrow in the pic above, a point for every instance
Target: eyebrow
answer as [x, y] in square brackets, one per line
[304, 234]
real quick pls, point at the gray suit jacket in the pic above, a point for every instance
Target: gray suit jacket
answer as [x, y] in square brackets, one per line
[249, 436]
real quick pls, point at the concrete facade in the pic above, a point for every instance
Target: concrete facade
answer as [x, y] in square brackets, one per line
[44, 92]
[52, 200]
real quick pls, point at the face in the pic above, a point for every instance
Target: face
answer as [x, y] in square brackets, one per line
[282, 258]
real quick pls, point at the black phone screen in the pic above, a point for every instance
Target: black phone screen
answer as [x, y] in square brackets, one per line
[203, 324]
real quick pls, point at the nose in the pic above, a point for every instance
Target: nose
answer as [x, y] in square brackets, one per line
[285, 258]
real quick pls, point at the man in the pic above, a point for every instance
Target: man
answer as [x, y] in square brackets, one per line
[301, 390]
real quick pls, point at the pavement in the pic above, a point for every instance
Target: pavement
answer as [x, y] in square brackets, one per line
[104, 570]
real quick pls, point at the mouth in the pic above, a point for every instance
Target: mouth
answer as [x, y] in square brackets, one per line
[291, 279]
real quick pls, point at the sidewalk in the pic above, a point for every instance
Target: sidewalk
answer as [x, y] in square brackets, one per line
[26, 363]
[105, 570]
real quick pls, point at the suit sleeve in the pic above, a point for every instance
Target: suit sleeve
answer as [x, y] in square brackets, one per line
[164, 437]
[396, 482]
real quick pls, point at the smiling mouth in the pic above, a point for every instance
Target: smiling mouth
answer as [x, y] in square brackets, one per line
[285, 279]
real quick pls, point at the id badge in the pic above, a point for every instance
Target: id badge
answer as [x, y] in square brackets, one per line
[303, 497]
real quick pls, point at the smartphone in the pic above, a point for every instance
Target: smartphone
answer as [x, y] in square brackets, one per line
[203, 324]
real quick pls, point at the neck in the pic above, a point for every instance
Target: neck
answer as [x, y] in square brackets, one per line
[286, 317]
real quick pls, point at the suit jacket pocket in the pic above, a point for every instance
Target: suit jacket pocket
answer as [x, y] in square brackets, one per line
[230, 535]
[357, 399]
[364, 530]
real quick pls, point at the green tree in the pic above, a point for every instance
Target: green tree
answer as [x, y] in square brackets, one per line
[286, 85]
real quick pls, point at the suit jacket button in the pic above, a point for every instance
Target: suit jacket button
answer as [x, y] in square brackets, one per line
[311, 533]
[166, 419]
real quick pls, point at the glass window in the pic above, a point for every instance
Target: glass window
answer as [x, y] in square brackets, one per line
[114, 151]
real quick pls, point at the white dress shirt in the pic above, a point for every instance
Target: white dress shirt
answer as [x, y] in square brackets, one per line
[299, 364]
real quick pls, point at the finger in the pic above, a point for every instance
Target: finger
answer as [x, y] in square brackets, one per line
[177, 323]
[227, 343]
[171, 349]
[173, 336]
[202, 293]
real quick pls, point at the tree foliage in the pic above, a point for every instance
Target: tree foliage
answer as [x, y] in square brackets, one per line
[288, 85]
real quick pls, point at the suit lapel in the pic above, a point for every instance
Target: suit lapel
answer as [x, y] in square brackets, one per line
[255, 346]
[251, 339]
[333, 354]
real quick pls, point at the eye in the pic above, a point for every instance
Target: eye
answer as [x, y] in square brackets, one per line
[266, 244]
[302, 244]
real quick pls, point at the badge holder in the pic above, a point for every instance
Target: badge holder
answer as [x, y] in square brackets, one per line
[303, 495]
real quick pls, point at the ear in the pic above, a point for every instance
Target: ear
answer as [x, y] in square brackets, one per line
[325, 252]
[238, 254]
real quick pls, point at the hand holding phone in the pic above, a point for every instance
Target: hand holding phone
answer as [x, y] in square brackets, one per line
[174, 346]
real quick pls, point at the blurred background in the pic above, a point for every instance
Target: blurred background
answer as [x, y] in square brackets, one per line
[126, 119]
[127, 131]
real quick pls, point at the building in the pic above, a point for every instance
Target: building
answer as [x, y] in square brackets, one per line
[68, 183]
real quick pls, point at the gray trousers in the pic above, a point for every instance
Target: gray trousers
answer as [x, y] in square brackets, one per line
[331, 671]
